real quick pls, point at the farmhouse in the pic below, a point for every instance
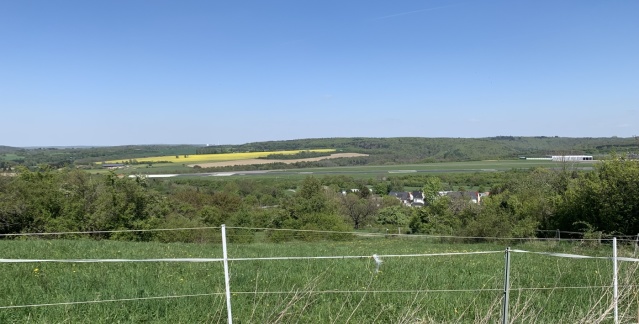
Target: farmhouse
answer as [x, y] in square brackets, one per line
[403, 196]
[472, 196]
[418, 199]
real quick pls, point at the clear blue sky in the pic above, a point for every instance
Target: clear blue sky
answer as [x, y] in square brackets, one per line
[227, 72]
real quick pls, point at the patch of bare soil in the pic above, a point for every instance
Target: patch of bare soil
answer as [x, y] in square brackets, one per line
[264, 161]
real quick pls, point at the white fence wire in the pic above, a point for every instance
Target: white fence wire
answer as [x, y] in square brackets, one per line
[378, 258]
[604, 238]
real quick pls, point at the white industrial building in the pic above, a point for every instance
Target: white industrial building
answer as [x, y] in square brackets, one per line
[571, 158]
[563, 158]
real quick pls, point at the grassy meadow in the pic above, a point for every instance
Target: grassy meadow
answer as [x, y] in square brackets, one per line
[372, 171]
[419, 289]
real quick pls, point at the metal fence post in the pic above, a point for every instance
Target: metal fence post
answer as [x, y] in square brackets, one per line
[504, 318]
[558, 235]
[636, 246]
[226, 276]
[615, 291]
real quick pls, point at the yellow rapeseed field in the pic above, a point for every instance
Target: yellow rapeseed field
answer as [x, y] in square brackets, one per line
[213, 157]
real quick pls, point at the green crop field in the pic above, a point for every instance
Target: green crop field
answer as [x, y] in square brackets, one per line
[444, 288]
[202, 158]
[368, 171]
[363, 172]
[460, 166]
[10, 157]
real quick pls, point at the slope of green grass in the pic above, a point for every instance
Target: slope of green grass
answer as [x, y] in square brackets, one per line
[452, 288]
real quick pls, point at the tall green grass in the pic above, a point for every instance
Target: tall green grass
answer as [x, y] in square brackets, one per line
[457, 288]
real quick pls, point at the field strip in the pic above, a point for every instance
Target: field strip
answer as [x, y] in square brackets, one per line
[195, 158]
[223, 174]
[264, 161]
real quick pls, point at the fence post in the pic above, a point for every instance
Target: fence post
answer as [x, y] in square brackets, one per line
[558, 235]
[634, 255]
[615, 292]
[504, 319]
[226, 276]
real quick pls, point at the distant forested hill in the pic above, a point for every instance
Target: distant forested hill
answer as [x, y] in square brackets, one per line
[396, 150]
[7, 149]
[419, 149]
[60, 157]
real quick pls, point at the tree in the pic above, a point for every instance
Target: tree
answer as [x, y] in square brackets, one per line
[432, 187]
[358, 210]
[312, 208]
[606, 199]
[435, 218]
[363, 191]
[381, 188]
[394, 215]
[396, 185]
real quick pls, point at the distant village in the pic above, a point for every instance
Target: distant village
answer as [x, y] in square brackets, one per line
[416, 198]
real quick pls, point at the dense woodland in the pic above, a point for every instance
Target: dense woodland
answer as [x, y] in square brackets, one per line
[420, 150]
[521, 203]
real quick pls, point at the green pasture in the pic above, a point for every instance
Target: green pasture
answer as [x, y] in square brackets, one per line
[368, 171]
[469, 166]
[10, 157]
[363, 172]
[453, 288]
[155, 168]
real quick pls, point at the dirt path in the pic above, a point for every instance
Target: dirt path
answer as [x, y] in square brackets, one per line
[263, 161]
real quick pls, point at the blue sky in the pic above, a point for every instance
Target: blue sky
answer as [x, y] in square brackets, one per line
[230, 72]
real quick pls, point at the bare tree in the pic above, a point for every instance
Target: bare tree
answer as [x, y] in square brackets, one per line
[358, 210]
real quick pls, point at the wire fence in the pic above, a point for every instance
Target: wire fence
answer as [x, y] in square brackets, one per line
[378, 261]
[558, 235]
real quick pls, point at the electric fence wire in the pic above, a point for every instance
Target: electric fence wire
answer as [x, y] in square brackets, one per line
[563, 255]
[630, 238]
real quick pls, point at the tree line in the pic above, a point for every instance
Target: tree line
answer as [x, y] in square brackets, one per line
[602, 200]
[520, 203]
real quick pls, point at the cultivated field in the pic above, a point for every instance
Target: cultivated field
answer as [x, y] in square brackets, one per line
[263, 161]
[212, 157]
[464, 288]
[371, 170]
